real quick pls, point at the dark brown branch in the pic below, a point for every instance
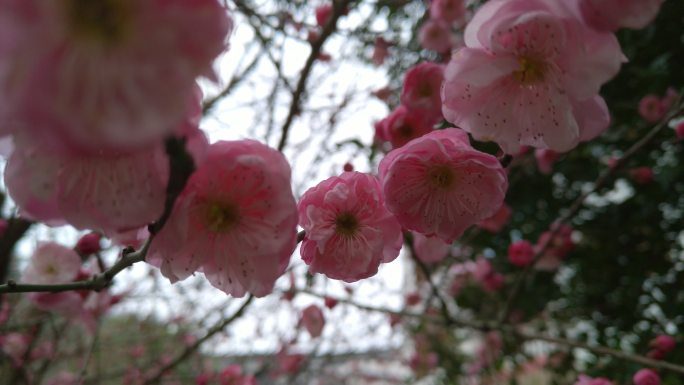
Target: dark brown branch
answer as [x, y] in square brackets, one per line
[210, 103]
[599, 183]
[508, 329]
[181, 166]
[339, 8]
[97, 282]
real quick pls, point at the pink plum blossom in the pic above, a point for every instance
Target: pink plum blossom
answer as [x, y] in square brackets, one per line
[430, 249]
[235, 221]
[323, 13]
[496, 222]
[664, 343]
[650, 108]
[611, 15]
[530, 76]
[288, 363]
[313, 320]
[421, 91]
[52, 263]
[403, 125]
[438, 185]
[520, 253]
[349, 231]
[646, 377]
[436, 35]
[103, 68]
[108, 193]
[447, 10]
[89, 244]
[545, 159]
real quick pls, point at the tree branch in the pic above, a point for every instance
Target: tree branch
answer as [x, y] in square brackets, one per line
[181, 166]
[339, 7]
[599, 183]
[219, 327]
[97, 282]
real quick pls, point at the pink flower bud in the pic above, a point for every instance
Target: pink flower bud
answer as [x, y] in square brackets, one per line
[520, 253]
[650, 108]
[646, 377]
[323, 13]
[545, 160]
[641, 175]
[330, 302]
[664, 343]
[89, 244]
[313, 320]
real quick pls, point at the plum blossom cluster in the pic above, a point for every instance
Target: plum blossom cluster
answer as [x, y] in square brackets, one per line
[89, 147]
[420, 107]
[436, 186]
[530, 75]
[52, 263]
[89, 95]
[235, 221]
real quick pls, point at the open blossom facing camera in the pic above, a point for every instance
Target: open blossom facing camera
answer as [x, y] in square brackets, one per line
[439, 185]
[235, 220]
[110, 73]
[349, 232]
[530, 76]
[52, 263]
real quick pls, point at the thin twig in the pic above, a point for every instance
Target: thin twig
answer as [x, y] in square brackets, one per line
[599, 183]
[219, 327]
[181, 166]
[339, 8]
[97, 282]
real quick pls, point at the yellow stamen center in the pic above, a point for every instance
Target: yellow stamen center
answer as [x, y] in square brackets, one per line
[221, 218]
[104, 21]
[531, 70]
[346, 224]
[442, 177]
